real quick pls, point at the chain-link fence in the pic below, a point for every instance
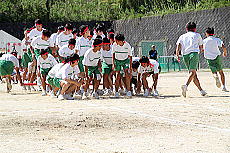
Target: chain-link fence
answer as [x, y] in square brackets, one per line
[163, 31]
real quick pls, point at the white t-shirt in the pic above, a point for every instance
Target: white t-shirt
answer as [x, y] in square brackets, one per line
[55, 70]
[106, 56]
[10, 57]
[66, 72]
[91, 58]
[63, 39]
[47, 63]
[211, 47]
[153, 66]
[95, 35]
[64, 51]
[190, 42]
[35, 33]
[122, 52]
[82, 45]
[76, 72]
[38, 43]
[53, 38]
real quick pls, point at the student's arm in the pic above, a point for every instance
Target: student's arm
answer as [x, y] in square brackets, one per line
[225, 50]
[77, 83]
[130, 62]
[201, 47]
[99, 65]
[113, 61]
[178, 49]
[86, 72]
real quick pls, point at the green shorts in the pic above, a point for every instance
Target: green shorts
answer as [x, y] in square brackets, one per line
[93, 70]
[50, 81]
[106, 68]
[56, 82]
[191, 60]
[6, 67]
[25, 60]
[44, 71]
[122, 63]
[80, 64]
[216, 64]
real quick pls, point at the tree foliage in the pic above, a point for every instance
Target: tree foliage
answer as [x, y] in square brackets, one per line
[86, 10]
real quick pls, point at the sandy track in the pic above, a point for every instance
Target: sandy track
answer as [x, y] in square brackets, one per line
[169, 124]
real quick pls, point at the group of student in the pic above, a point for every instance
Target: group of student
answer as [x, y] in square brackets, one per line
[66, 63]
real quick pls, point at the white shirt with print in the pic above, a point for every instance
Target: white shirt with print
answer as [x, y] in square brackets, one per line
[122, 52]
[64, 51]
[211, 47]
[82, 45]
[91, 58]
[46, 63]
[190, 42]
[63, 39]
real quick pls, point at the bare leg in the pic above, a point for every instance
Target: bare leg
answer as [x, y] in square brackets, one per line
[197, 82]
[222, 77]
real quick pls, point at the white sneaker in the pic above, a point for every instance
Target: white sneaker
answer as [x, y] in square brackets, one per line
[106, 92]
[61, 97]
[155, 93]
[29, 88]
[39, 88]
[69, 97]
[53, 95]
[203, 93]
[23, 87]
[146, 94]
[100, 92]
[121, 91]
[84, 96]
[129, 94]
[184, 90]
[218, 84]
[44, 93]
[33, 88]
[117, 94]
[95, 95]
[224, 89]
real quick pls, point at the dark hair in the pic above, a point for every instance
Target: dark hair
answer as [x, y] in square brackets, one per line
[14, 53]
[82, 28]
[72, 41]
[209, 30]
[46, 33]
[61, 28]
[135, 64]
[97, 41]
[111, 36]
[38, 21]
[105, 40]
[73, 58]
[74, 31]
[91, 33]
[110, 30]
[100, 27]
[144, 59]
[98, 37]
[69, 26]
[120, 37]
[190, 26]
[43, 51]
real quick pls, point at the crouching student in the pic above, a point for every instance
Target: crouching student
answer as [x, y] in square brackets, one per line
[146, 69]
[51, 77]
[92, 65]
[106, 56]
[44, 63]
[63, 79]
[8, 62]
[134, 81]
[67, 50]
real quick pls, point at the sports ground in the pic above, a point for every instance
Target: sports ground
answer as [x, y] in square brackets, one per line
[170, 123]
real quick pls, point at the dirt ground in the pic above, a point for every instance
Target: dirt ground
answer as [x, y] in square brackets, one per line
[168, 124]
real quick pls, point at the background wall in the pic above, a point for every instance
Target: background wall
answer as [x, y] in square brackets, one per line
[168, 28]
